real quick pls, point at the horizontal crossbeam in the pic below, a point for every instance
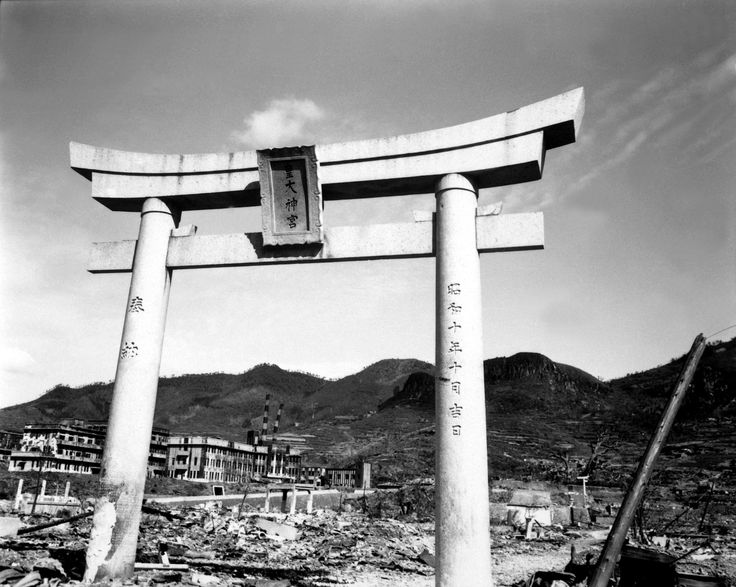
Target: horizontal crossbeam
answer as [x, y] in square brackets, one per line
[342, 243]
[499, 150]
[517, 160]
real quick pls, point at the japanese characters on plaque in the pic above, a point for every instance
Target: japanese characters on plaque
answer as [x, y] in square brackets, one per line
[454, 292]
[291, 198]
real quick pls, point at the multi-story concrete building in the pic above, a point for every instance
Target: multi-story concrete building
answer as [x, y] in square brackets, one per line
[67, 447]
[355, 477]
[9, 440]
[358, 477]
[209, 458]
[156, 450]
[74, 446]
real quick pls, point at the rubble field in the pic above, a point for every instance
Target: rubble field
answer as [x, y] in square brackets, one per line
[212, 545]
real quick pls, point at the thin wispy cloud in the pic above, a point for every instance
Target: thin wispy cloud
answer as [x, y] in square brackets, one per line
[680, 106]
[717, 151]
[283, 122]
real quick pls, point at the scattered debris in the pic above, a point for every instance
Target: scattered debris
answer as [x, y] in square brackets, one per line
[57, 522]
[214, 545]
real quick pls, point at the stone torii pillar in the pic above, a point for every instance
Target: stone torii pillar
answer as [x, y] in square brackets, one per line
[118, 510]
[290, 185]
[463, 542]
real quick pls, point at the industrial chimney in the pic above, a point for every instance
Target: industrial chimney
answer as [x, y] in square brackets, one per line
[278, 420]
[264, 428]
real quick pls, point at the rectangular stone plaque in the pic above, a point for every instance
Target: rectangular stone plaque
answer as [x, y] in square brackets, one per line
[291, 197]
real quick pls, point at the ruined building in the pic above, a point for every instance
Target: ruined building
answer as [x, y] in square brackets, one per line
[75, 446]
[208, 458]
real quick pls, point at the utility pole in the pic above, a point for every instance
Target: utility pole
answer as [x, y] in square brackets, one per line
[615, 540]
[45, 451]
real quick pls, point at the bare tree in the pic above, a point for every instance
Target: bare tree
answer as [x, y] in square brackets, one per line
[599, 447]
[562, 454]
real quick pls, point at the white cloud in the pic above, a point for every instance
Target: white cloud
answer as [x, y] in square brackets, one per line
[15, 360]
[285, 121]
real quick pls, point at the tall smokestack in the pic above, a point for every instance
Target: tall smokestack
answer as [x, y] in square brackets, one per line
[264, 428]
[278, 419]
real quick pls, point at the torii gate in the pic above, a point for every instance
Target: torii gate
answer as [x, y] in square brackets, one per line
[289, 184]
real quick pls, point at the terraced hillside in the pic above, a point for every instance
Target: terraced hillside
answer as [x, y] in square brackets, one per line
[545, 420]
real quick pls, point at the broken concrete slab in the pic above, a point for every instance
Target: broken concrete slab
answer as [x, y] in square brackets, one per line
[10, 576]
[276, 529]
[204, 580]
[427, 558]
[160, 567]
[50, 568]
[9, 525]
[273, 583]
[172, 577]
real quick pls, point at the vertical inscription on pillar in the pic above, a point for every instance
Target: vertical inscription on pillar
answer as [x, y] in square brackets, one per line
[291, 198]
[129, 350]
[136, 305]
[454, 351]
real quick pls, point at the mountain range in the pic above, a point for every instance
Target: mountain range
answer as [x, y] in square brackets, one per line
[546, 420]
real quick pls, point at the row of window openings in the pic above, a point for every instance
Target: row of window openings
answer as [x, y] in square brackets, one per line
[60, 467]
[217, 451]
[218, 475]
[260, 464]
[182, 460]
[67, 437]
[214, 476]
[85, 456]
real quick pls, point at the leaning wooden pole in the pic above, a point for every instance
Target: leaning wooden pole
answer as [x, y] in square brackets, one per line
[616, 537]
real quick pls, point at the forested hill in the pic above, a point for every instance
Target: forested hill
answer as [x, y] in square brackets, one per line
[227, 404]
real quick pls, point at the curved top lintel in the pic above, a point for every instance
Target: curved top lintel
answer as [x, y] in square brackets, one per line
[559, 117]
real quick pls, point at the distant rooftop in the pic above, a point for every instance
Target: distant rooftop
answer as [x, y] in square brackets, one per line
[531, 499]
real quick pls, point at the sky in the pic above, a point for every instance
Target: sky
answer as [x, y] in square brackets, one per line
[640, 213]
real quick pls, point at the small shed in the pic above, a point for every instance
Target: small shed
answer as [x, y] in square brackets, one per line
[528, 504]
